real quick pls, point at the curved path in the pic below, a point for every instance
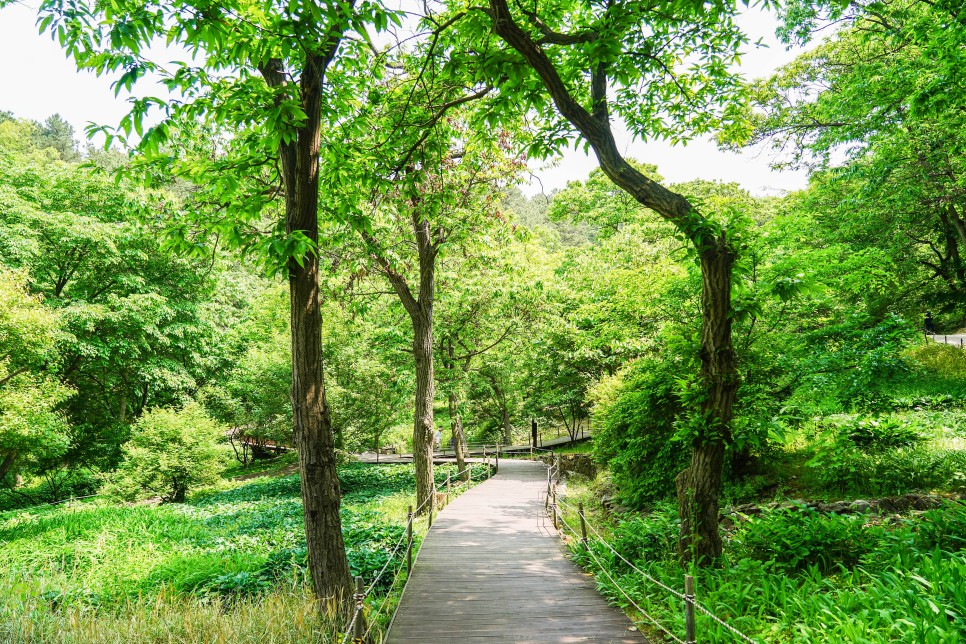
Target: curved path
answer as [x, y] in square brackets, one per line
[492, 570]
[955, 339]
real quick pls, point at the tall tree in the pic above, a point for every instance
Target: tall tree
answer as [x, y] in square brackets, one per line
[140, 325]
[257, 87]
[435, 193]
[31, 427]
[591, 61]
[873, 111]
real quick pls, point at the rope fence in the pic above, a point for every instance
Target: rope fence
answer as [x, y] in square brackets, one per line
[358, 632]
[553, 506]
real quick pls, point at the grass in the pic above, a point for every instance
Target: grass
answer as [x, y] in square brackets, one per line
[289, 458]
[794, 577]
[280, 616]
[230, 565]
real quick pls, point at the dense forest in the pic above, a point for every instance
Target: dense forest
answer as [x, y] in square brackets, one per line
[322, 245]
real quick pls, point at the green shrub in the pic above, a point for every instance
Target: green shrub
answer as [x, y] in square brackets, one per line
[869, 432]
[169, 453]
[794, 540]
[636, 430]
[943, 528]
[53, 487]
[650, 537]
[884, 433]
[942, 360]
[898, 471]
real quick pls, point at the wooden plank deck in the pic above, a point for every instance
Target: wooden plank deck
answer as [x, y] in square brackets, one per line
[492, 570]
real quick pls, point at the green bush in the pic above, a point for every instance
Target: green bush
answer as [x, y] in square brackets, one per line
[651, 537]
[883, 433]
[942, 360]
[943, 528]
[843, 470]
[635, 432]
[169, 453]
[795, 540]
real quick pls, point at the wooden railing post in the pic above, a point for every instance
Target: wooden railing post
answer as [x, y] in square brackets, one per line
[689, 636]
[409, 543]
[496, 469]
[359, 630]
[546, 504]
[553, 508]
[583, 526]
[448, 490]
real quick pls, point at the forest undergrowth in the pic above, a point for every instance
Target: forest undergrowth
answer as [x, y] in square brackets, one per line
[790, 571]
[227, 566]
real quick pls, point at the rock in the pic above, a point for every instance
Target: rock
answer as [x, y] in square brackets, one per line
[578, 464]
[839, 507]
[749, 508]
[894, 504]
[926, 502]
[860, 507]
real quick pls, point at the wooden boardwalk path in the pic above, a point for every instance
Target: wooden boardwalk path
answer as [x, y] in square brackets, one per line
[492, 570]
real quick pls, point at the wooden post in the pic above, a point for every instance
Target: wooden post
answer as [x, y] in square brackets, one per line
[553, 508]
[409, 543]
[583, 526]
[546, 503]
[689, 636]
[359, 631]
[432, 506]
[448, 490]
[497, 467]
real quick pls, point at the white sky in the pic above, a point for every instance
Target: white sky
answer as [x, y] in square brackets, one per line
[38, 80]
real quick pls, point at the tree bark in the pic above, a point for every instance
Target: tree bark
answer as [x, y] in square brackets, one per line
[321, 492]
[423, 421]
[420, 310]
[699, 486]
[312, 427]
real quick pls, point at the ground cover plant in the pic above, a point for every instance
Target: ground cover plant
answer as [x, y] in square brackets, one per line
[792, 576]
[83, 568]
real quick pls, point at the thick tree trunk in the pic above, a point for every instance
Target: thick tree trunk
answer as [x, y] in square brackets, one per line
[505, 422]
[424, 426]
[321, 493]
[312, 428]
[459, 438]
[699, 486]
[420, 310]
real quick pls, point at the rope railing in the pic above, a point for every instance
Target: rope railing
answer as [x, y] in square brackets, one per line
[494, 448]
[553, 505]
[357, 631]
